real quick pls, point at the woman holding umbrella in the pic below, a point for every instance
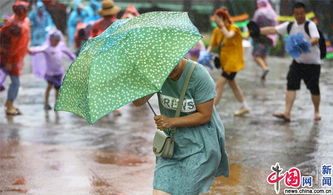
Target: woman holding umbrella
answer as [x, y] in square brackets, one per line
[140, 56]
[199, 154]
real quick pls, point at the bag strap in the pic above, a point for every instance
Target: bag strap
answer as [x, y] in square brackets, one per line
[182, 95]
[290, 24]
[306, 28]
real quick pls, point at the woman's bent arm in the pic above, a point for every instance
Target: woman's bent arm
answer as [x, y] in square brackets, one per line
[202, 116]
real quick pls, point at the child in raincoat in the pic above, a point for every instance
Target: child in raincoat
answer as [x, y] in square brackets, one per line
[49, 63]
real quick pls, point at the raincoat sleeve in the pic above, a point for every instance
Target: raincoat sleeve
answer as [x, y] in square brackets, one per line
[49, 21]
[15, 36]
[32, 18]
[68, 53]
[38, 49]
[71, 26]
[256, 16]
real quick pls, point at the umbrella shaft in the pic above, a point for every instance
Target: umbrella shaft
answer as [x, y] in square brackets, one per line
[151, 108]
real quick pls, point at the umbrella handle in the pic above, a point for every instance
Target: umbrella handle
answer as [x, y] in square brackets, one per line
[151, 108]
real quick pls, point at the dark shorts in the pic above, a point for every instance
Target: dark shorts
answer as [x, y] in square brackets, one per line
[55, 80]
[309, 73]
[260, 49]
[230, 76]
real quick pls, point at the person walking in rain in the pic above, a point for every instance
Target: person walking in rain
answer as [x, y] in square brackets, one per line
[306, 67]
[130, 12]
[14, 40]
[41, 22]
[54, 50]
[228, 38]
[79, 14]
[109, 13]
[199, 154]
[263, 16]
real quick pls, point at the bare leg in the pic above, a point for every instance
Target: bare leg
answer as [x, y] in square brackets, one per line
[316, 103]
[46, 97]
[10, 107]
[236, 90]
[289, 101]
[261, 62]
[219, 89]
[290, 98]
[56, 94]
[47, 93]
[159, 192]
[240, 97]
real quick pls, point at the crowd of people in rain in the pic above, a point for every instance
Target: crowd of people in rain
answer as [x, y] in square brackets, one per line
[35, 33]
[39, 37]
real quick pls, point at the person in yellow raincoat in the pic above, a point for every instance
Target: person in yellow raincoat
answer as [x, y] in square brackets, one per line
[227, 37]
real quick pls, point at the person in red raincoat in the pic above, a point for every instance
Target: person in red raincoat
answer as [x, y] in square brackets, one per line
[109, 13]
[14, 40]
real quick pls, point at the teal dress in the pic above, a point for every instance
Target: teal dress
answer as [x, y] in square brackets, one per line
[199, 154]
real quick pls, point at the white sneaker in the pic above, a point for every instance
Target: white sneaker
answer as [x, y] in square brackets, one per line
[242, 111]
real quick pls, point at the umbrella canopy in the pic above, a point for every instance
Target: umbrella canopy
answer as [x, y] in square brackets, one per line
[131, 59]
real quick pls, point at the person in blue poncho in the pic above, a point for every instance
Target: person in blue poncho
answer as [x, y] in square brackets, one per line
[92, 10]
[79, 14]
[41, 21]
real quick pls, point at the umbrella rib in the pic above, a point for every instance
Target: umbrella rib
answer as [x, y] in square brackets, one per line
[87, 94]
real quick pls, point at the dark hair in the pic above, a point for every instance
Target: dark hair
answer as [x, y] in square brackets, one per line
[299, 5]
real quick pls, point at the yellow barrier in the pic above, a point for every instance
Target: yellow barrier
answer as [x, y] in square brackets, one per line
[309, 15]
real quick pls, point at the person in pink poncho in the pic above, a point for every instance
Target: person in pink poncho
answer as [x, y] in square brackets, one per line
[48, 63]
[264, 16]
[130, 12]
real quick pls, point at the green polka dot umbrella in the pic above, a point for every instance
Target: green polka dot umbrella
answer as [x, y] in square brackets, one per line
[131, 59]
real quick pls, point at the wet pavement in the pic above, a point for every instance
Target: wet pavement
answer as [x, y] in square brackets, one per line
[43, 152]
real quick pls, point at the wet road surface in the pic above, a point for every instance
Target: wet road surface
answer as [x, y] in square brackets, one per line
[43, 152]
